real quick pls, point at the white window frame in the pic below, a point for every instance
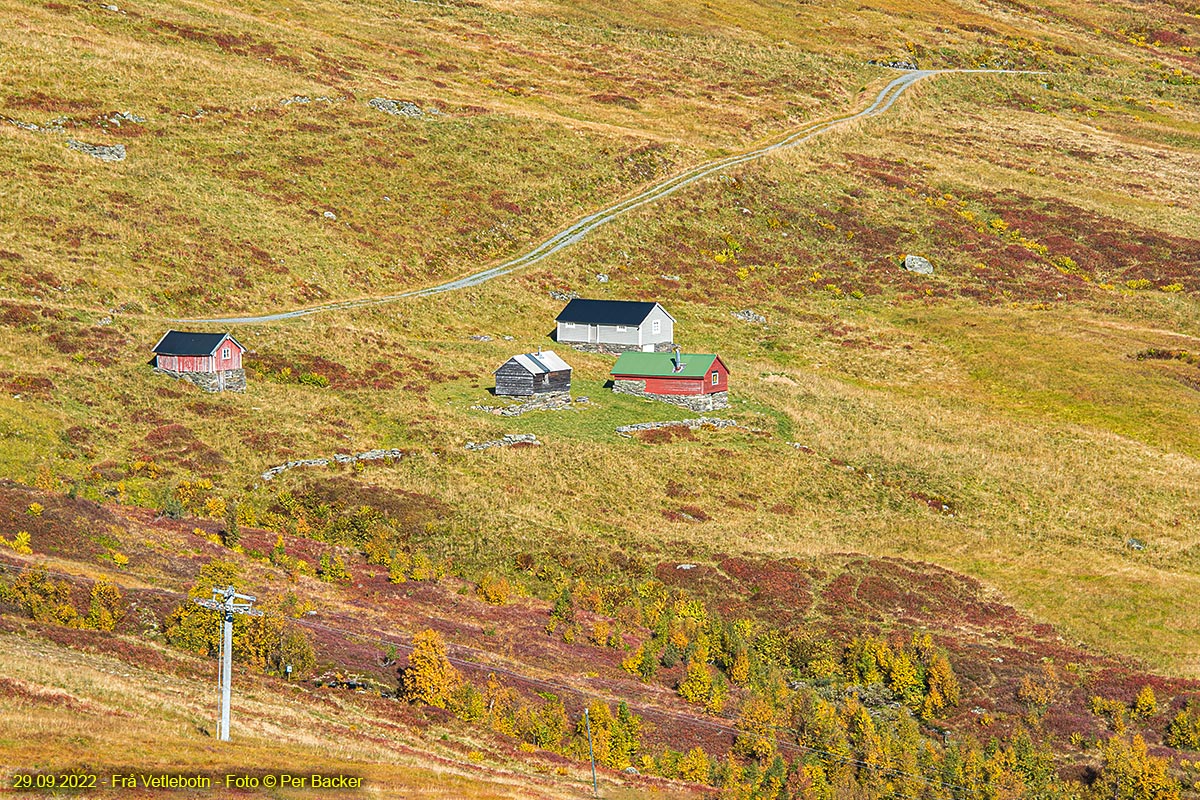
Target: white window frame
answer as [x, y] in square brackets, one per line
[622, 328]
[224, 353]
[716, 378]
[568, 324]
[655, 326]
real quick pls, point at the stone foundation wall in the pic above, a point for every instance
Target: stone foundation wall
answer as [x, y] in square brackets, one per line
[234, 379]
[617, 349]
[692, 402]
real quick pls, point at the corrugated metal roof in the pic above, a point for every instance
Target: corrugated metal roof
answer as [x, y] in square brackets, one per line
[662, 365]
[540, 363]
[607, 312]
[185, 343]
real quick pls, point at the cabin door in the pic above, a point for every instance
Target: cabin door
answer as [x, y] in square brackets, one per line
[593, 333]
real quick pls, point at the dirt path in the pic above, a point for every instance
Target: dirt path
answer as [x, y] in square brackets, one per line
[576, 231]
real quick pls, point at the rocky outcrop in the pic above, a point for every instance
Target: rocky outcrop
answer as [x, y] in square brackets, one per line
[389, 454]
[401, 108]
[749, 315]
[229, 380]
[104, 152]
[508, 440]
[692, 402]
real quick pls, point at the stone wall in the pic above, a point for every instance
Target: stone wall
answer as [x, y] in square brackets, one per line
[235, 379]
[609, 349]
[692, 402]
[701, 422]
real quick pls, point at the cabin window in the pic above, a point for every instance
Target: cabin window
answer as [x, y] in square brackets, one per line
[568, 324]
[545, 378]
[622, 328]
[656, 326]
[225, 353]
[716, 377]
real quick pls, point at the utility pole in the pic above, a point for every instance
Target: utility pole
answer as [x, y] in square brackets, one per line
[226, 603]
[591, 754]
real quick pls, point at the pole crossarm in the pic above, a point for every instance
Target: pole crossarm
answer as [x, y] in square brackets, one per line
[227, 602]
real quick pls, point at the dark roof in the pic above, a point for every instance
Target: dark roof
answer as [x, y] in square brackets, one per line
[183, 343]
[606, 312]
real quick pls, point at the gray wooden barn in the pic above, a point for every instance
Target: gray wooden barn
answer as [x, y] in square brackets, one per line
[533, 373]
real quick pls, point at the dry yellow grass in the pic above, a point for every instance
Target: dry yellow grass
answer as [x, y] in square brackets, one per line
[69, 710]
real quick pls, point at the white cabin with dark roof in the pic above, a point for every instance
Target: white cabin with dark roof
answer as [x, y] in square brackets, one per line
[616, 325]
[533, 373]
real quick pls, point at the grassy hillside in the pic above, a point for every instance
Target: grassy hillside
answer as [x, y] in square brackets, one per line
[1025, 418]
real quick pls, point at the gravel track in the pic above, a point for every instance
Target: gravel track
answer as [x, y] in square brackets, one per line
[576, 231]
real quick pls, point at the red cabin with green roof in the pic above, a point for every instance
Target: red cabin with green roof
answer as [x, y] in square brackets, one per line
[699, 381]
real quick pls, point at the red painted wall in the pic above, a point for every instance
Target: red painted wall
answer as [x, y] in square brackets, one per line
[235, 356]
[669, 385]
[212, 363]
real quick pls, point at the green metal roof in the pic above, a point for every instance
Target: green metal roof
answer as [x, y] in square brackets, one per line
[662, 365]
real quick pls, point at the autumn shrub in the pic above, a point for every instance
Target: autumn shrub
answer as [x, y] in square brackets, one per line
[1145, 704]
[106, 608]
[1114, 711]
[755, 729]
[616, 738]
[544, 725]
[19, 543]
[41, 597]
[1184, 730]
[272, 643]
[494, 589]
[332, 570]
[429, 678]
[1131, 773]
[695, 766]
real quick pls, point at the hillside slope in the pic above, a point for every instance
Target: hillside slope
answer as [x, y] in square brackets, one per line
[1014, 435]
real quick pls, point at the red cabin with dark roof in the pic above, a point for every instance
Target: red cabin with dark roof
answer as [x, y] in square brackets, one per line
[212, 361]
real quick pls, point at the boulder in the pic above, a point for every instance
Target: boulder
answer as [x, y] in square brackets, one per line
[917, 264]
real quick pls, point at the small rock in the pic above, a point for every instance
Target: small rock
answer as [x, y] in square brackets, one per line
[917, 264]
[631, 771]
[124, 116]
[301, 99]
[507, 338]
[401, 108]
[112, 8]
[104, 321]
[673, 278]
[601, 277]
[104, 152]
[481, 337]
[1135, 544]
[749, 315]
[685, 566]
[563, 296]
[329, 215]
